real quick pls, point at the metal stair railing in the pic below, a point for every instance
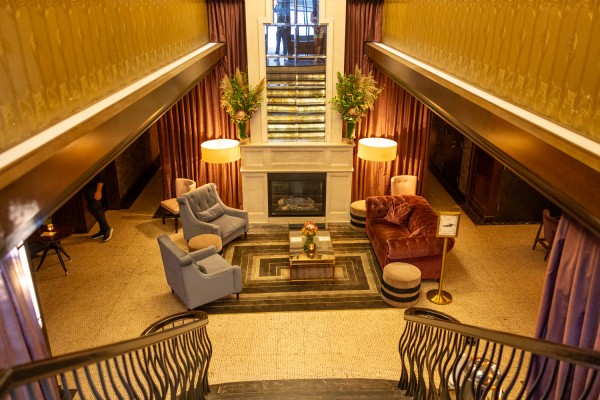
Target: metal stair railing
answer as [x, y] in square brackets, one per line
[169, 360]
[444, 359]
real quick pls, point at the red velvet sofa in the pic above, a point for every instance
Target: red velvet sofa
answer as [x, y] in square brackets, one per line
[411, 240]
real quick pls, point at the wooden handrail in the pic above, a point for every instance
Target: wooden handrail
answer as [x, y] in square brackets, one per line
[55, 366]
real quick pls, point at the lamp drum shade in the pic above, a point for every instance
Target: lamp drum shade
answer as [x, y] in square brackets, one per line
[220, 151]
[377, 149]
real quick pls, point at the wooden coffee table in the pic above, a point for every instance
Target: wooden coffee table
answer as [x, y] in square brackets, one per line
[320, 267]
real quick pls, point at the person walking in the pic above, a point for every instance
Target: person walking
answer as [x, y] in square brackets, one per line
[282, 10]
[93, 197]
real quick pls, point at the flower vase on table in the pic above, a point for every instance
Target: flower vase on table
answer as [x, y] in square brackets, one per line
[242, 135]
[350, 128]
[309, 231]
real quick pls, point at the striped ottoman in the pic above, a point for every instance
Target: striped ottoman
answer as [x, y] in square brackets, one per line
[401, 284]
[358, 215]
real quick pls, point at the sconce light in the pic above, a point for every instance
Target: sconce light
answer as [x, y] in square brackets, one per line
[220, 151]
[377, 149]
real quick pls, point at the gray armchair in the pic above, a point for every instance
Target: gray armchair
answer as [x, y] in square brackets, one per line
[202, 212]
[198, 277]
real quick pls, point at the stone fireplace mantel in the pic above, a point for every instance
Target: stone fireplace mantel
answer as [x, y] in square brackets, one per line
[334, 159]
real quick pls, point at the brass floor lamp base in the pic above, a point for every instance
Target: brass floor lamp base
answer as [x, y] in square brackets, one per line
[439, 297]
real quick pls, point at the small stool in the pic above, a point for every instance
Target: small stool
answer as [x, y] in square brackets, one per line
[401, 284]
[202, 241]
[358, 215]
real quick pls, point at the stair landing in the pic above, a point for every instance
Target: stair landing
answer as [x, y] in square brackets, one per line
[307, 389]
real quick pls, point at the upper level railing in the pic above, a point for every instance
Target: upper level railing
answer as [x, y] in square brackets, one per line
[170, 360]
[440, 356]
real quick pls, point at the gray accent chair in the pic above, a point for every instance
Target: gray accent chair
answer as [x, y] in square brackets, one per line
[203, 212]
[198, 277]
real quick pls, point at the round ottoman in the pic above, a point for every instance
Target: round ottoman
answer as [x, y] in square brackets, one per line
[202, 241]
[401, 284]
[358, 215]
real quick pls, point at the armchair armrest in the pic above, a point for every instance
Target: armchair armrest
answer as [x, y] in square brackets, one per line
[235, 272]
[235, 212]
[203, 253]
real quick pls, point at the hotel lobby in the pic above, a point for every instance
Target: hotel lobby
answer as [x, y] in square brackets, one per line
[495, 117]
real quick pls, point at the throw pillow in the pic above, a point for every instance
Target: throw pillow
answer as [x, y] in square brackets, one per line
[211, 214]
[399, 214]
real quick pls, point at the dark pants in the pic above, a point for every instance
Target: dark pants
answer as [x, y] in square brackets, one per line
[282, 36]
[97, 210]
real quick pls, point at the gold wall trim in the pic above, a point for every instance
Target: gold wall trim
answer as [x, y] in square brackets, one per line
[564, 172]
[34, 190]
[542, 54]
[59, 56]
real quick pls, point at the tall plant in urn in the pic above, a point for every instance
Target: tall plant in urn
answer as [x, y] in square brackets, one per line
[240, 100]
[355, 95]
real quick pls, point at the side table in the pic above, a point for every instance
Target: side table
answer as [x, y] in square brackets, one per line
[202, 241]
[44, 240]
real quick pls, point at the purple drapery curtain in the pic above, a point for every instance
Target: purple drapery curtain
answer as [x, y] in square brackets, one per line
[21, 338]
[570, 307]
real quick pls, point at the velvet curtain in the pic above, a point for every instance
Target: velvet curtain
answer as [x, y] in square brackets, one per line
[198, 116]
[570, 307]
[21, 339]
[397, 114]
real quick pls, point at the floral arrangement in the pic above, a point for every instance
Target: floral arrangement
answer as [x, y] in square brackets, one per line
[309, 229]
[355, 95]
[240, 100]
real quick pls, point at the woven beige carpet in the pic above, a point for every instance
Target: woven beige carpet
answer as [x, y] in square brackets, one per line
[264, 261]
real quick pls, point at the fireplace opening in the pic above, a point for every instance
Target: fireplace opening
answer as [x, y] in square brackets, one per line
[297, 194]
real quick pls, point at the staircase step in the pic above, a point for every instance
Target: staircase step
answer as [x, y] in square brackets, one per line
[295, 92]
[308, 389]
[295, 118]
[304, 69]
[301, 101]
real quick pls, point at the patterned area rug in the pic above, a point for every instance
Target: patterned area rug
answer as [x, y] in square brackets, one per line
[264, 260]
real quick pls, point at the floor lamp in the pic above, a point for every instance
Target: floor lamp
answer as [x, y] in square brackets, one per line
[377, 149]
[220, 151]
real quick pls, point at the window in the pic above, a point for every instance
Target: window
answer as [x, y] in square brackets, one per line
[296, 59]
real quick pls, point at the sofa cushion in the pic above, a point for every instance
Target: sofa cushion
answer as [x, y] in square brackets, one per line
[211, 214]
[399, 214]
[229, 224]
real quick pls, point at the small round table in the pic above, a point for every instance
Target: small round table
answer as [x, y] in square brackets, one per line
[202, 241]
[44, 240]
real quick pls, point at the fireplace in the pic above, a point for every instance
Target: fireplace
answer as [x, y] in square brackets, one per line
[297, 194]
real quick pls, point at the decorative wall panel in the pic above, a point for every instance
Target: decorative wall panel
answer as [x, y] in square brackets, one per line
[543, 55]
[58, 56]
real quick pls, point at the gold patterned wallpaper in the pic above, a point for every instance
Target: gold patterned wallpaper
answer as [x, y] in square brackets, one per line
[543, 55]
[58, 56]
